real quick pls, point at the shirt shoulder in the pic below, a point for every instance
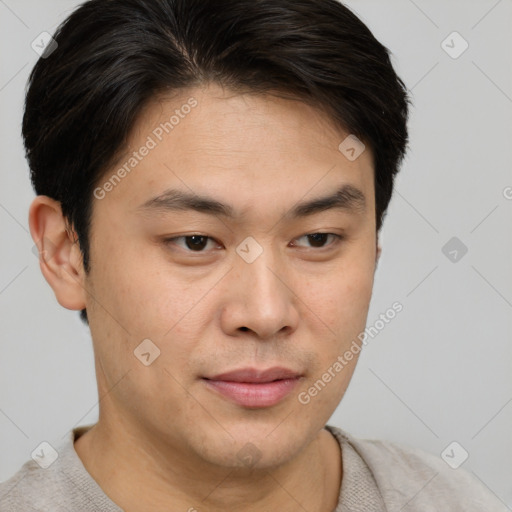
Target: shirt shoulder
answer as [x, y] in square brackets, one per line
[60, 483]
[32, 489]
[411, 479]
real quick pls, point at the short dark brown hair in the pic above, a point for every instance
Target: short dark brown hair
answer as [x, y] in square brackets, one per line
[113, 56]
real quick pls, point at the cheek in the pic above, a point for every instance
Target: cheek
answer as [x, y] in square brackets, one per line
[341, 299]
[131, 285]
[338, 308]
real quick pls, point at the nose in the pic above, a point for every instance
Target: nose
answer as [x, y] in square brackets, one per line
[260, 298]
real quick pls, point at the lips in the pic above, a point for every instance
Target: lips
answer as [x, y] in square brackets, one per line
[253, 375]
[253, 388]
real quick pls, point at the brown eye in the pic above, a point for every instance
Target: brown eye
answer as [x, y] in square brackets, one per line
[191, 243]
[319, 240]
[196, 242]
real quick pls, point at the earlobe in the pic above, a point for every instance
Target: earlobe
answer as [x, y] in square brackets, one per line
[377, 255]
[60, 258]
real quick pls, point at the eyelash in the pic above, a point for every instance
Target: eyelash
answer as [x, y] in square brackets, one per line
[169, 241]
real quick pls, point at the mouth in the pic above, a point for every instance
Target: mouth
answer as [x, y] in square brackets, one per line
[253, 388]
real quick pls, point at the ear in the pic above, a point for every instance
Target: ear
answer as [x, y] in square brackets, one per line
[60, 258]
[379, 250]
[378, 253]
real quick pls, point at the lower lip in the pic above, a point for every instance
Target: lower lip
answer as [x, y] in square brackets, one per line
[250, 394]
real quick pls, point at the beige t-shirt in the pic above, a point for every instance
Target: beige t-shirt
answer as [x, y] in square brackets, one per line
[378, 476]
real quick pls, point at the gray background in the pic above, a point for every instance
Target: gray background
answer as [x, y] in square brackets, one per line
[440, 371]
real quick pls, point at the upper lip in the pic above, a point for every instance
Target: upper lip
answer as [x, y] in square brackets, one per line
[256, 375]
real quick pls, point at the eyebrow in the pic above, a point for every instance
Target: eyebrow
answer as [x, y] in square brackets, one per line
[347, 198]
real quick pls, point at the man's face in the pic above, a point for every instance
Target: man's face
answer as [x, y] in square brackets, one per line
[250, 290]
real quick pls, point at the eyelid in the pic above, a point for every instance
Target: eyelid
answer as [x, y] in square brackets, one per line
[171, 240]
[338, 239]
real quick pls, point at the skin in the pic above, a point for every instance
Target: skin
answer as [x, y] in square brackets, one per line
[163, 436]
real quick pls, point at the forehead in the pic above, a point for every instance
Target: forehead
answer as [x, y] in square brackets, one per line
[245, 148]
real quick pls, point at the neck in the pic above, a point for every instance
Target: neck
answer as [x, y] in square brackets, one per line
[151, 476]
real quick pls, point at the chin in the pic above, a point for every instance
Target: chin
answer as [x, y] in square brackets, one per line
[254, 446]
